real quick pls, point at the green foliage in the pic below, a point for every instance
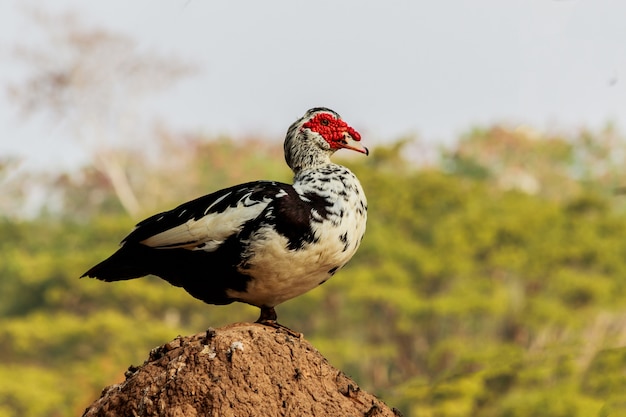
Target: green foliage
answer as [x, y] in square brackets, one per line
[470, 295]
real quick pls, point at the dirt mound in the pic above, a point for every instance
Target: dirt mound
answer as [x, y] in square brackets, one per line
[239, 370]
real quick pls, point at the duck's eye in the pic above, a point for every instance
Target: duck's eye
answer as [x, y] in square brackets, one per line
[324, 122]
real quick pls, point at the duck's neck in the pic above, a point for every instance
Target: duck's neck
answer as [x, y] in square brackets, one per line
[303, 159]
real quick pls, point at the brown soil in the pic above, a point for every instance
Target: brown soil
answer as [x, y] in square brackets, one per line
[239, 370]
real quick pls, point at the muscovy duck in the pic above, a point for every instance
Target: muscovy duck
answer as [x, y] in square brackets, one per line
[262, 242]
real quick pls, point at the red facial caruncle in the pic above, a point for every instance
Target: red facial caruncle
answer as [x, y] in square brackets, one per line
[337, 133]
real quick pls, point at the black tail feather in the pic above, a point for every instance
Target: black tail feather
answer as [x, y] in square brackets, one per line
[126, 263]
[205, 275]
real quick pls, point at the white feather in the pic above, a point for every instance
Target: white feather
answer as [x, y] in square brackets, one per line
[210, 231]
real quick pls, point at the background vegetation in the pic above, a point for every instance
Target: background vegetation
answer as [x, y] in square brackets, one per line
[472, 294]
[490, 282]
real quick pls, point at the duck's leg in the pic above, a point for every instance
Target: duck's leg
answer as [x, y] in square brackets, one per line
[268, 318]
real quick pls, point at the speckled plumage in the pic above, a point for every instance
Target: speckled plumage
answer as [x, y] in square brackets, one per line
[263, 242]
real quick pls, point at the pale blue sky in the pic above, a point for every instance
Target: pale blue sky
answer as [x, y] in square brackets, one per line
[432, 68]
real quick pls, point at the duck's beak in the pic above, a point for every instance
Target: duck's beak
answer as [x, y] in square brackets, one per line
[353, 142]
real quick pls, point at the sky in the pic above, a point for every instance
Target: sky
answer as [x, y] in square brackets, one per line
[433, 69]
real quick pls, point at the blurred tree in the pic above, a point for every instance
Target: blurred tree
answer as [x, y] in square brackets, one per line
[550, 165]
[464, 298]
[95, 82]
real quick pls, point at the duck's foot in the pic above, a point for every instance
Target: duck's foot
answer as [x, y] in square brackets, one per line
[268, 318]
